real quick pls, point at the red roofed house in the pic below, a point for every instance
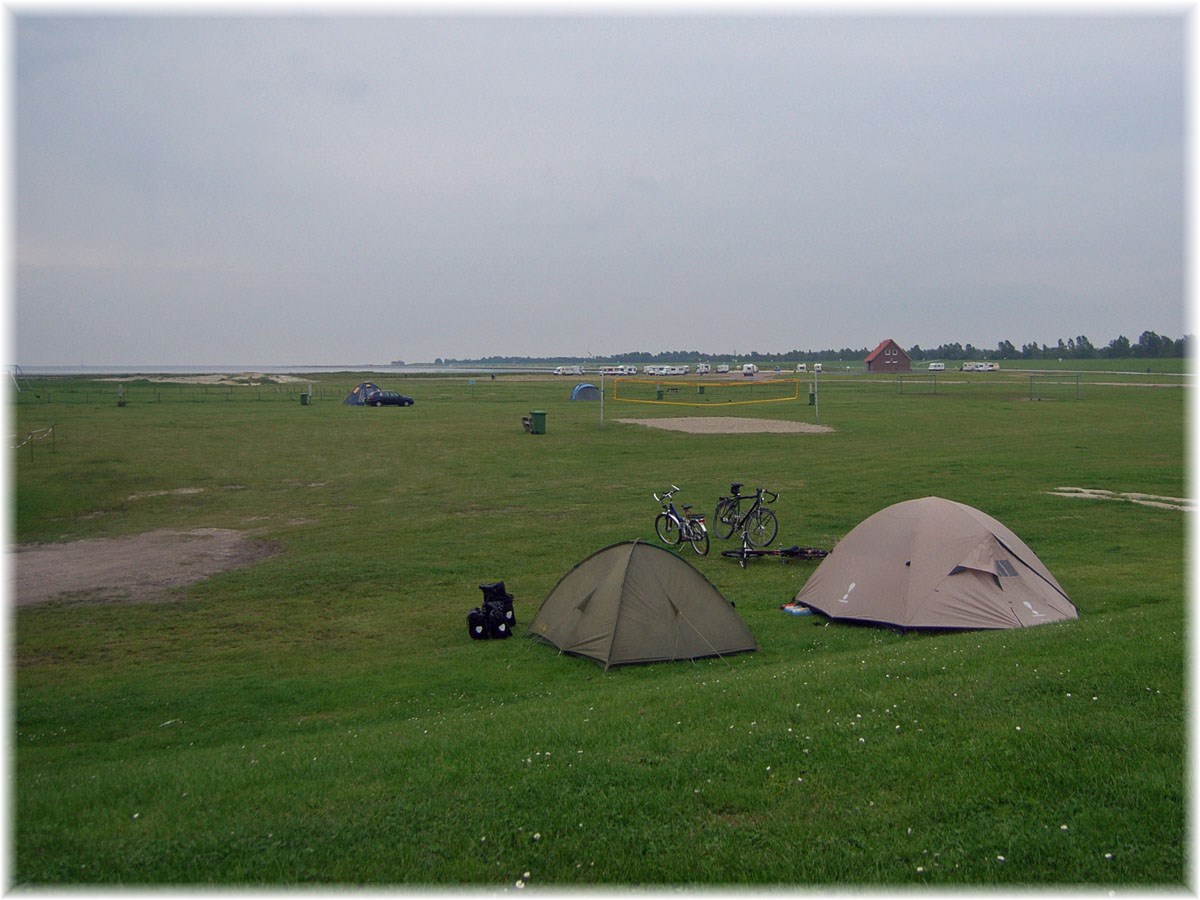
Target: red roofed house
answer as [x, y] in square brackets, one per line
[888, 357]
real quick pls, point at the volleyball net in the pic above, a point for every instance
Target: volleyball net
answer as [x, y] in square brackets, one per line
[704, 393]
[1055, 386]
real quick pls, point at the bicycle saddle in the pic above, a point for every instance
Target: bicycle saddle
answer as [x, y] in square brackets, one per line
[735, 488]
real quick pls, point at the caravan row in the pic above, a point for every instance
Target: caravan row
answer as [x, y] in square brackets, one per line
[749, 369]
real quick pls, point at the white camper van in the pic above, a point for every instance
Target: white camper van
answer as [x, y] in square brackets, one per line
[937, 367]
[749, 370]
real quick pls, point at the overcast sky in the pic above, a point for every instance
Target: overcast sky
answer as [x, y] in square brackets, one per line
[275, 190]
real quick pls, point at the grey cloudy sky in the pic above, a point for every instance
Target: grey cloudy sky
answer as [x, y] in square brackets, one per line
[326, 189]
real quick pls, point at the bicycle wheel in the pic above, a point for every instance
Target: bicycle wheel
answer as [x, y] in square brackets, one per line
[698, 538]
[664, 525]
[762, 527]
[725, 517]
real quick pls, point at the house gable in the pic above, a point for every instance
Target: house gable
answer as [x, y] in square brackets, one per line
[888, 357]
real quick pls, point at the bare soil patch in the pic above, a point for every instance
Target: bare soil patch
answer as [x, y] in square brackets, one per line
[730, 425]
[139, 568]
[1155, 500]
[245, 379]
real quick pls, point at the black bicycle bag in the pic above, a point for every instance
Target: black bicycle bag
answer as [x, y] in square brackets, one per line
[494, 593]
[497, 620]
[477, 624]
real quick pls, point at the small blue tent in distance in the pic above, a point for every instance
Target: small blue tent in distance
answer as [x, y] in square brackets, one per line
[358, 396]
[585, 391]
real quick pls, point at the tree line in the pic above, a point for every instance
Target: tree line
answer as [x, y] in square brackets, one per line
[1149, 345]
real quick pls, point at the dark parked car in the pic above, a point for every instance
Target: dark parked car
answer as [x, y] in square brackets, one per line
[388, 398]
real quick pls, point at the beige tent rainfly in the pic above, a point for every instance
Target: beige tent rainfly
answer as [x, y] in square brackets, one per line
[635, 603]
[934, 563]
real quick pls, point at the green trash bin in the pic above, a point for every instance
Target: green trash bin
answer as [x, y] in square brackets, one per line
[539, 421]
[304, 399]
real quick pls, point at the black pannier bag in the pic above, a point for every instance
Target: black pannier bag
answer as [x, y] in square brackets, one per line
[495, 593]
[497, 623]
[477, 624]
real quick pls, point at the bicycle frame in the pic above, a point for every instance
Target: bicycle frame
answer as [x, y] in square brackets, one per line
[759, 493]
[690, 525]
[683, 521]
[748, 547]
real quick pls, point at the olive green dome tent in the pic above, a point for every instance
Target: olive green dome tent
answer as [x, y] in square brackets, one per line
[632, 603]
[935, 563]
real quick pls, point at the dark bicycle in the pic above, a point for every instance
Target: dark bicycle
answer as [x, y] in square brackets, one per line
[744, 554]
[674, 527]
[757, 524]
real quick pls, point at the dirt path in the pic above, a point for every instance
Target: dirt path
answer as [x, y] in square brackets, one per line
[139, 568]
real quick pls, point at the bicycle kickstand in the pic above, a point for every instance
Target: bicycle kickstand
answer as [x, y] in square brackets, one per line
[745, 556]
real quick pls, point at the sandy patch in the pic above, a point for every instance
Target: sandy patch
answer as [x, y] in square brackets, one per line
[245, 379]
[1154, 500]
[135, 569]
[730, 425]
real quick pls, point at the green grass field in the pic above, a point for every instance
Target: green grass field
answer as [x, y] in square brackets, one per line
[323, 718]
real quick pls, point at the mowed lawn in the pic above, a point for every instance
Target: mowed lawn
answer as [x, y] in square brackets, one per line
[322, 717]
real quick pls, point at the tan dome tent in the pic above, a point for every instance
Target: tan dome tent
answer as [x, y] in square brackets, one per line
[635, 603]
[934, 563]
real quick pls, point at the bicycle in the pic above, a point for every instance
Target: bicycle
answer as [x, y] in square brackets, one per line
[744, 553]
[758, 525]
[674, 528]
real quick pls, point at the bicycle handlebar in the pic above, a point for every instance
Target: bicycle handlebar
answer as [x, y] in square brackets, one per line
[765, 492]
[666, 495]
